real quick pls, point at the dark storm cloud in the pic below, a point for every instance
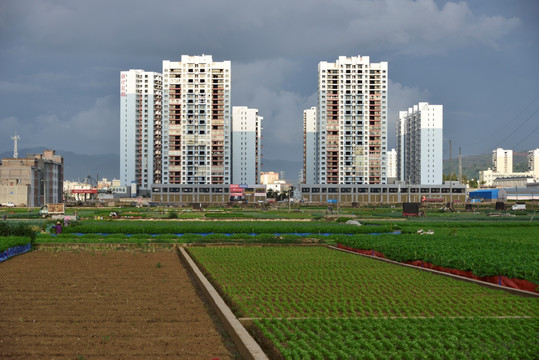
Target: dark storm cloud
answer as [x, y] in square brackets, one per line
[60, 61]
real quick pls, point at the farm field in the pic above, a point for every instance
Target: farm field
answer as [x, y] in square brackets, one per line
[307, 299]
[492, 249]
[488, 248]
[103, 305]
[220, 227]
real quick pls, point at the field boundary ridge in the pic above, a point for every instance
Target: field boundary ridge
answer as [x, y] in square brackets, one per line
[246, 344]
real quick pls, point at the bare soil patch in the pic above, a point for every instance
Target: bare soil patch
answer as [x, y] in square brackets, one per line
[104, 305]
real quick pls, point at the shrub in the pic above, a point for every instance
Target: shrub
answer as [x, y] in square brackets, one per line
[19, 229]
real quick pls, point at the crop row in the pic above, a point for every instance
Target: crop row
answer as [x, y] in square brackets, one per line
[323, 283]
[165, 238]
[507, 253]
[317, 303]
[437, 338]
[524, 230]
[7, 242]
[246, 227]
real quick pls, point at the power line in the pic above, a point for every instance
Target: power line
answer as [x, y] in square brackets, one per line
[535, 112]
[505, 125]
[527, 136]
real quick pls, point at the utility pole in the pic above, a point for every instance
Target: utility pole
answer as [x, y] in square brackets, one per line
[450, 182]
[290, 190]
[460, 166]
[409, 188]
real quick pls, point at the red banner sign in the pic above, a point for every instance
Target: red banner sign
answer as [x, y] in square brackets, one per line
[84, 191]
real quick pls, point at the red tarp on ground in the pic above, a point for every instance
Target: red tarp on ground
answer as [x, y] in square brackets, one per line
[498, 280]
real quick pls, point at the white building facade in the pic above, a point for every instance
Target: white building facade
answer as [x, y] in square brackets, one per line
[197, 121]
[533, 163]
[310, 147]
[246, 145]
[501, 174]
[352, 121]
[420, 144]
[140, 128]
[502, 161]
[392, 164]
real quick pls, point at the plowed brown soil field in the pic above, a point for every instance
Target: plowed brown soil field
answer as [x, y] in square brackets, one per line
[104, 305]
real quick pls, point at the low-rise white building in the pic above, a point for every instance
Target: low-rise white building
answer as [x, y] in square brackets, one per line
[502, 172]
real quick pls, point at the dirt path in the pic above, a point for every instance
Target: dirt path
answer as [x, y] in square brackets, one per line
[104, 305]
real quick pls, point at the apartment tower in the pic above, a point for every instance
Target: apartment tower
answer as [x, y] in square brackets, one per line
[310, 147]
[246, 145]
[502, 161]
[352, 121]
[196, 121]
[419, 144]
[140, 128]
[533, 163]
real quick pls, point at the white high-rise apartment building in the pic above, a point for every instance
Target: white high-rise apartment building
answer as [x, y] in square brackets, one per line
[533, 163]
[352, 121]
[502, 161]
[392, 164]
[196, 121]
[419, 144]
[310, 147]
[140, 128]
[246, 145]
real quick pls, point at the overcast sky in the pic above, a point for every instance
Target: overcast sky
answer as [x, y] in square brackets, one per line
[60, 63]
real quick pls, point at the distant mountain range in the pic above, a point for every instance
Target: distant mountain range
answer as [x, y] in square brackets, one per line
[473, 163]
[78, 167]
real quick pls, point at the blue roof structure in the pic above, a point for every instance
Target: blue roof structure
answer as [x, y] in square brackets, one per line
[486, 194]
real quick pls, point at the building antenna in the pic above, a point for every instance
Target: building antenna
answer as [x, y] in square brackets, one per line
[15, 139]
